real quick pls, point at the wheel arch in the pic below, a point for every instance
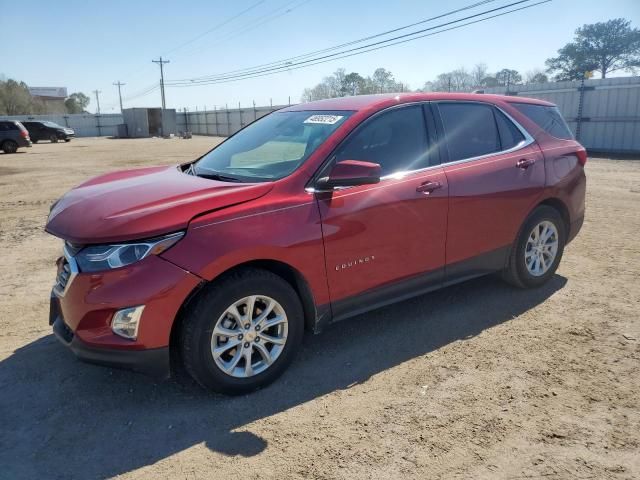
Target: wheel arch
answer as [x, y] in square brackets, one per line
[553, 202]
[282, 269]
[561, 207]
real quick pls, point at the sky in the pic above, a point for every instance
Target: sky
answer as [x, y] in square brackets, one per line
[88, 45]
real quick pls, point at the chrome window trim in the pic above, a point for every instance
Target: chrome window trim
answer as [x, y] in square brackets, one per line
[528, 140]
[73, 269]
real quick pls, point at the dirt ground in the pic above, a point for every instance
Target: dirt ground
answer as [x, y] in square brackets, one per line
[476, 381]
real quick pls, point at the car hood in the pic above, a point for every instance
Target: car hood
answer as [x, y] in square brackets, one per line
[141, 203]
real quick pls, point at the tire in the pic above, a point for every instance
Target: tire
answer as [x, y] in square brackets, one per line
[34, 141]
[526, 268]
[53, 138]
[9, 146]
[209, 313]
[67, 140]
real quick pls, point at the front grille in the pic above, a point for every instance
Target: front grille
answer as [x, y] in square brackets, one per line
[63, 275]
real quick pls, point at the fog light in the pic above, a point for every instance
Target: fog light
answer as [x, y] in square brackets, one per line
[125, 322]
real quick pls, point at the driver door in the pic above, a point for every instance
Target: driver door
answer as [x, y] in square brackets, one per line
[386, 241]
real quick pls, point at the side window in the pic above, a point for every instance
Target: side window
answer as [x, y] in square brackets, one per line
[470, 130]
[396, 139]
[547, 118]
[510, 136]
[3, 127]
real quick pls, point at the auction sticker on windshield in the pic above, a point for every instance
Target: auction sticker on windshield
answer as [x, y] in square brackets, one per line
[324, 119]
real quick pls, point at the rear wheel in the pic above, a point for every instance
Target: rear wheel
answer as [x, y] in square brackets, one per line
[53, 138]
[538, 250]
[242, 332]
[9, 146]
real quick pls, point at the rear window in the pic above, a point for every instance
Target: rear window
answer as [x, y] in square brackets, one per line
[9, 126]
[546, 117]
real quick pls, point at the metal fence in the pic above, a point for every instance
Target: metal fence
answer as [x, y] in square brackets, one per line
[220, 122]
[85, 125]
[604, 114]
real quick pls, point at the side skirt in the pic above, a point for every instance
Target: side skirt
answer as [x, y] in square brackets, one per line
[405, 289]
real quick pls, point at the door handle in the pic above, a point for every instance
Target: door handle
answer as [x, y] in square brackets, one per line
[428, 187]
[525, 163]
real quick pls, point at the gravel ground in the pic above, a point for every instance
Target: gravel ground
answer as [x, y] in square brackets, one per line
[475, 381]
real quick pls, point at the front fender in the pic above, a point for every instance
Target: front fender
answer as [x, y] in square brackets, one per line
[290, 233]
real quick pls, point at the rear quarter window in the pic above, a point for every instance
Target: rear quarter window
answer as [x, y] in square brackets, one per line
[546, 117]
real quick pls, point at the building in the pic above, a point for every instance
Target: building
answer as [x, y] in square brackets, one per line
[51, 98]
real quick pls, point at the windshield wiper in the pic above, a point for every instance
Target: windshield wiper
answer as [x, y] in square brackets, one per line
[218, 176]
[193, 170]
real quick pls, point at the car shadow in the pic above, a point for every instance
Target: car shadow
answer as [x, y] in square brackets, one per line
[65, 419]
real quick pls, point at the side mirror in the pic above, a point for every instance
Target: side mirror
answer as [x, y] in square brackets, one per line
[349, 173]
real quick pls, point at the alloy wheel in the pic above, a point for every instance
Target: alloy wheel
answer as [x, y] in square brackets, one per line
[541, 248]
[249, 336]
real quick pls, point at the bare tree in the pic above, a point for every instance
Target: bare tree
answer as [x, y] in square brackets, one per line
[535, 76]
[478, 74]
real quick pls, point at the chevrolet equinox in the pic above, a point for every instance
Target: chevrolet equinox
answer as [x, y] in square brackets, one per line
[309, 215]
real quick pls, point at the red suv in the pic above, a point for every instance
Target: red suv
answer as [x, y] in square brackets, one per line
[312, 214]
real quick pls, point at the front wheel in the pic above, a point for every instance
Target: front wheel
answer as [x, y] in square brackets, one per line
[537, 252]
[241, 332]
[53, 138]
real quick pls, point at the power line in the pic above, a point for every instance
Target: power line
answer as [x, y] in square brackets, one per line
[216, 27]
[225, 78]
[337, 47]
[273, 15]
[141, 93]
[120, 84]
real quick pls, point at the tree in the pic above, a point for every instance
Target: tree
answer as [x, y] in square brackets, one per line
[478, 74]
[506, 77]
[15, 98]
[382, 81]
[353, 84]
[535, 76]
[77, 102]
[340, 84]
[490, 81]
[604, 46]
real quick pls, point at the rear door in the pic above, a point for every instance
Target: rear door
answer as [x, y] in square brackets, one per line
[387, 240]
[496, 174]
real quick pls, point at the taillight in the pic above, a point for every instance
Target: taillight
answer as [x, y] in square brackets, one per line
[24, 134]
[582, 156]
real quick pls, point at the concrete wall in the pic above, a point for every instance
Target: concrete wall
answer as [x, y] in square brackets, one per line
[610, 117]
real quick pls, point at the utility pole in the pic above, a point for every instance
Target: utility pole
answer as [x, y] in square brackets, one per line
[97, 92]
[161, 63]
[119, 84]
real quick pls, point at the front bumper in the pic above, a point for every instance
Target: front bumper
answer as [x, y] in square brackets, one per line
[154, 362]
[82, 311]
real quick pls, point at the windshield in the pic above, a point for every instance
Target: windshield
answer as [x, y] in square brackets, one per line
[271, 147]
[52, 125]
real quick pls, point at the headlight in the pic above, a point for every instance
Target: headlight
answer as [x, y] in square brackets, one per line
[95, 258]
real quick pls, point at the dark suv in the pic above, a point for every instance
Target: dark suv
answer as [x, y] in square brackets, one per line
[46, 130]
[13, 136]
